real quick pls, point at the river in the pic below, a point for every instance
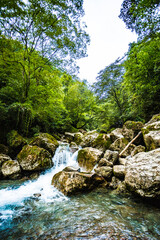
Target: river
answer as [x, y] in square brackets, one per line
[36, 210]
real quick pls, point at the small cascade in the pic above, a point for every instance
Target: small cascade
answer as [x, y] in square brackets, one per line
[42, 186]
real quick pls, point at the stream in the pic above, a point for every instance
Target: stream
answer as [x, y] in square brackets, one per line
[36, 210]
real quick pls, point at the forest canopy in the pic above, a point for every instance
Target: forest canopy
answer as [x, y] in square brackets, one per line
[39, 90]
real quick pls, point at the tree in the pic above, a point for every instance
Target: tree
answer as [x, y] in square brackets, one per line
[141, 16]
[109, 90]
[49, 29]
[80, 103]
[142, 78]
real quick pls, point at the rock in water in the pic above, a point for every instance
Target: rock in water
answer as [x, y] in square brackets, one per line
[143, 174]
[74, 182]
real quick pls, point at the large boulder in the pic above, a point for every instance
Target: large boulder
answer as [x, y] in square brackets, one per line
[111, 156]
[102, 142]
[15, 142]
[88, 158]
[89, 138]
[120, 144]
[34, 158]
[151, 133]
[11, 169]
[71, 182]
[46, 141]
[143, 174]
[116, 133]
[134, 126]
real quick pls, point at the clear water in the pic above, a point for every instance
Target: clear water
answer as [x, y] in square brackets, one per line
[96, 215]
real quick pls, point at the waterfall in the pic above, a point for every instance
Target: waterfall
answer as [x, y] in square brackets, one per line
[42, 186]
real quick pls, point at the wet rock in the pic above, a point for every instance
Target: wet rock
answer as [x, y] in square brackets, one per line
[11, 169]
[104, 171]
[33, 158]
[46, 141]
[70, 183]
[151, 133]
[119, 171]
[111, 156]
[143, 174]
[73, 147]
[37, 195]
[138, 149]
[88, 158]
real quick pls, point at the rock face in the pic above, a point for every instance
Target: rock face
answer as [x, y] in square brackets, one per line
[46, 141]
[72, 182]
[33, 158]
[143, 174]
[11, 169]
[151, 133]
[88, 157]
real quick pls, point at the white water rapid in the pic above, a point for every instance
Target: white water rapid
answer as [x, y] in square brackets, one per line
[42, 186]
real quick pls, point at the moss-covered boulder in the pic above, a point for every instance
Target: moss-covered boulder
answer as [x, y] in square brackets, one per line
[102, 142]
[15, 142]
[73, 182]
[11, 169]
[46, 141]
[34, 158]
[88, 158]
[135, 126]
[151, 133]
[89, 138]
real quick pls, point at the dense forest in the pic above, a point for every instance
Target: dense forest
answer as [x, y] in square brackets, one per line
[40, 42]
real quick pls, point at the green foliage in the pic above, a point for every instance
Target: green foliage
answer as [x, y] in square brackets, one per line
[142, 78]
[141, 16]
[80, 103]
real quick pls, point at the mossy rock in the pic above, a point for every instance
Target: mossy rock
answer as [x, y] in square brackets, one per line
[34, 158]
[88, 157]
[15, 142]
[102, 142]
[46, 141]
[78, 137]
[135, 126]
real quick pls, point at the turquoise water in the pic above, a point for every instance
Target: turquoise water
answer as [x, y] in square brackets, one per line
[97, 215]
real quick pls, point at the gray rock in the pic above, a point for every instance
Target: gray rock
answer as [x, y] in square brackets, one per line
[138, 149]
[116, 133]
[11, 169]
[89, 138]
[71, 183]
[111, 156]
[104, 171]
[143, 174]
[88, 158]
[119, 171]
[122, 161]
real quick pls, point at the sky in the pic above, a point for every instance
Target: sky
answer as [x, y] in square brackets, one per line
[109, 37]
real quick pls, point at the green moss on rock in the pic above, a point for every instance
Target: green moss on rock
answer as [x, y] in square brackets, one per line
[15, 140]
